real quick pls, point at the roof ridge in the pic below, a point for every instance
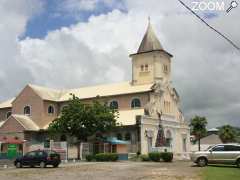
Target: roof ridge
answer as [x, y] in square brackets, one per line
[25, 118]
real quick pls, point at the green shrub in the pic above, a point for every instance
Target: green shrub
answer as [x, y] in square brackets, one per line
[155, 156]
[167, 156]
[113, 157]
[90, 157]
[144, 157]
[106, 157]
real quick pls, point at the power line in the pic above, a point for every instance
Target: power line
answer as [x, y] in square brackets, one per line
[208, 25]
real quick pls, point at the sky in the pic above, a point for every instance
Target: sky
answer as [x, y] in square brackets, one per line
[75, 43]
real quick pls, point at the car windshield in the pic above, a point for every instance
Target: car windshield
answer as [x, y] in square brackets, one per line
[208, 148]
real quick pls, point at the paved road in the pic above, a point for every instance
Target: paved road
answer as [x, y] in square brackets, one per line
[106, 171]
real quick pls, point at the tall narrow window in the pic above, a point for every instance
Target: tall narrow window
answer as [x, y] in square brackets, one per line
[146, 67]
[167, 106]
[114, 105]
[142, 67]
[136, 103]
[50, 110]
[165, 68]
[27, 110]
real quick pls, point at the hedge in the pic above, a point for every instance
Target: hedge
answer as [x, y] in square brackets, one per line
[90, 157]
[167, 156]
[157, 156]
[106, 157]
[144, 157]
[154, 156]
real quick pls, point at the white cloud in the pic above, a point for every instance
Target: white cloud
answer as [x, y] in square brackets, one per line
[205, 67]
[13, 18]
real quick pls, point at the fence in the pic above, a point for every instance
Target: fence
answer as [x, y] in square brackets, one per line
[161, 149]
[59, 147]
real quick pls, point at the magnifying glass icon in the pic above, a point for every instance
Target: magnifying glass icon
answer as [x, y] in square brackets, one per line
[233, 4]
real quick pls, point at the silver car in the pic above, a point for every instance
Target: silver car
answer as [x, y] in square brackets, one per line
[218, 154]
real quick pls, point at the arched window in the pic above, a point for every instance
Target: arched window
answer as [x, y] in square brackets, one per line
[128, 136]
[136, 103]
[9, 113]
[168, 138]
[119, 136]
[114, 105]
[50, 110]
[27, 110]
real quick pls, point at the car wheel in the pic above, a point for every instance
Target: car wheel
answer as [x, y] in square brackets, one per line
[55, 165]
[202, 162]
[42, 164]
[238, 163]
[18, 165]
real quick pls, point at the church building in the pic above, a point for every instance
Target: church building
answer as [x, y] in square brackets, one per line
[147, 104]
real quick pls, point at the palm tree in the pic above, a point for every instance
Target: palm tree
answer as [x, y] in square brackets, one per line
[227, 134]
[198, 128]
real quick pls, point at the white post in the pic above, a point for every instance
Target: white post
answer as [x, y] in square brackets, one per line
[81, 150]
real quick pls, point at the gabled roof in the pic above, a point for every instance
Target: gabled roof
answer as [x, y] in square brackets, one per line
[47, 93]
[26, 122]
[1, 123]
[150, 41]
[6, 104]
[211, 139]
[106, 90]
[90, 92]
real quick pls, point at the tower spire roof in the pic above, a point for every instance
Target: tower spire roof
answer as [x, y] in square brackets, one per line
[150, 41]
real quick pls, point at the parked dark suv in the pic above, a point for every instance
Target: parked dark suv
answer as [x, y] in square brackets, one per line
[40, 158]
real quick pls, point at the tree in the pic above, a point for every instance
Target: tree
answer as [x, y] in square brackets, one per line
[227, 134]
[198, 128]
[83, 120]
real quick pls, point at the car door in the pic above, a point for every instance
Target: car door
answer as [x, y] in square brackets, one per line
[231, 153]
[28, 159]
[40, 156]
[216, 154]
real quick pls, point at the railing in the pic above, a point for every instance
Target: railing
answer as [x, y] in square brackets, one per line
[161, 149]
[6, 156]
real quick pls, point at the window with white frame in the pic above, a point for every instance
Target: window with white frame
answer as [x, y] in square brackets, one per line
[50, 109]
[113, 104]
[136, 103]
[27, 110]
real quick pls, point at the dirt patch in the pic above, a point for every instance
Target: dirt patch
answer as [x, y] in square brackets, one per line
[107, 171]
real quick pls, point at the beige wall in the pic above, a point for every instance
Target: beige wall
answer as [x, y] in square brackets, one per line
[50, 117]
[29, 98]
[3, 113]
[124, 101]
[178, 131]
[11, 126]
[155, 61]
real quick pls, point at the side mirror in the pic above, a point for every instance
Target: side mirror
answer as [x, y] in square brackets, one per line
[210, 150]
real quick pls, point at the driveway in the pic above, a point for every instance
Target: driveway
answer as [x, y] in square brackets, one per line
[107, 171]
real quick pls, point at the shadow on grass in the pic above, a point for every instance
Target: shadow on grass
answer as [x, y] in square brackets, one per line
[223, 166]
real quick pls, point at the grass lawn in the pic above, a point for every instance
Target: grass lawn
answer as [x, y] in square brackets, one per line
[219, 172]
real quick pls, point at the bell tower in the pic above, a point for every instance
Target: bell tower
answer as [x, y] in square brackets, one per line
[151, 63]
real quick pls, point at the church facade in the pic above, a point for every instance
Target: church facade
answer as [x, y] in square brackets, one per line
[146, 104]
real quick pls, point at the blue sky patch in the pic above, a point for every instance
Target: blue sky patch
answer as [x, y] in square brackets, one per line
[54, 16]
